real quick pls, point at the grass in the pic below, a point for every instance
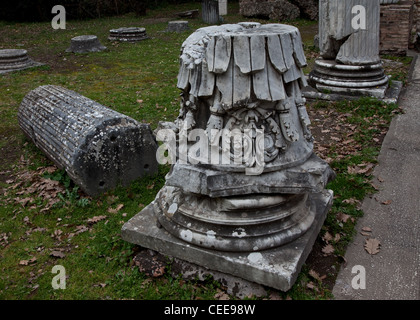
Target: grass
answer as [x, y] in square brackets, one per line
[139, 80]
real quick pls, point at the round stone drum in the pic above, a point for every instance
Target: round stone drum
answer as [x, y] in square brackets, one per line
[85, 44]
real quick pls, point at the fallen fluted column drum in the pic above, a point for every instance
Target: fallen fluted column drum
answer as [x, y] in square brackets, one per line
[98, 147]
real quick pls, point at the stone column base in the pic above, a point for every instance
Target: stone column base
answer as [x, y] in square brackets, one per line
[276, 268]
[15, 60]
[361, 80]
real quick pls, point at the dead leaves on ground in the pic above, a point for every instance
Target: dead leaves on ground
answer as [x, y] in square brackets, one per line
[115, 210]
[96, 219]
[316, 276]
[335, 133]
[328, 249]
[27, 262]
[366, 231]
[329, 240]
[32, 186]
[58, 253]
[363, 168]
[371, 245]
[221, 295]
[332, 129]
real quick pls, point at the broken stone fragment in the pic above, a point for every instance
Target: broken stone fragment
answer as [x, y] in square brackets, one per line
[177, 26]
[85, 44]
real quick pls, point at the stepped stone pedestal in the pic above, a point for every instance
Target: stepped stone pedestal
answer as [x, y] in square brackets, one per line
[349, 49]
[130, 34]
[250, 204]
[15, 59]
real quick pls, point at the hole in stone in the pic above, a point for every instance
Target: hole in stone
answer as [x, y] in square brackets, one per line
[113, 138]
[101, 183]
[146, 166]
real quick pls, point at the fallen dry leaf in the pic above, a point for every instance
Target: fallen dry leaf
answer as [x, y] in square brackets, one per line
[343, 217]
[57, 254]
[311, 285]
[387, 202]
[327, 237]
[351, 201]
[27, 262]
[274, 296]
[57, 233]
[220, 295]
[328, 249]
[118, 208]
[96, 219]
[364, 168]
[372, 246]
[111, 199]
[315, 275]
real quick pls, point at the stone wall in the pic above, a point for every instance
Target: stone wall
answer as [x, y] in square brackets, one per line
[398, 27]
[279, 10]
[417, 15]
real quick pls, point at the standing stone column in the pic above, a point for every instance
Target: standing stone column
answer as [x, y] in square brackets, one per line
[247, 206]
[223, 7]
[349, 48]
[210, 11]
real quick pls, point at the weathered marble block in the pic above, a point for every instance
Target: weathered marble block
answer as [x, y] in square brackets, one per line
[15, 59]
[98, 147]
[262, 192]
[177, 26]
[85, 44]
